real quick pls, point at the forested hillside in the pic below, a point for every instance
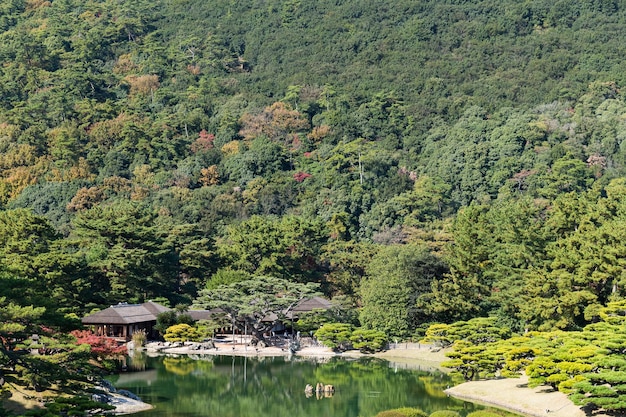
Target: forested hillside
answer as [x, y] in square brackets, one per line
[427, 160]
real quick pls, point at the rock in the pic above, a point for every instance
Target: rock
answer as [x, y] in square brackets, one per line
[128, 394]
[107, 386]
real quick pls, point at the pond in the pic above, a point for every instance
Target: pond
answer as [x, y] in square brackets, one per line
[228, 386]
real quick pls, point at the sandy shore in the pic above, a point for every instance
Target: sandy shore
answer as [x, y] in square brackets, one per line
[514, 395]
[509, 394]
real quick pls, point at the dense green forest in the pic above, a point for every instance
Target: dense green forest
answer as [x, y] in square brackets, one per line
[446, 159]
[424, 161]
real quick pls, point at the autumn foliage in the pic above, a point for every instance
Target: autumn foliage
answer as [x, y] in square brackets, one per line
[277, 122]
[301, 176]
[101, 346]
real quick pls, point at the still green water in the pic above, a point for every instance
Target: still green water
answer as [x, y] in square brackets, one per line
[225, 386]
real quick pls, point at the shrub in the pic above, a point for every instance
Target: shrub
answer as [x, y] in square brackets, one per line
[484, 413]
[368, 341]
[182, 333]
[101, 346]
[139, 338]
[335, 335]
[390, 413]
[402, 412]
[445, 413]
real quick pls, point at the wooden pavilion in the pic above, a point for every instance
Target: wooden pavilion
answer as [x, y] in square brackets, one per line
[122, 320]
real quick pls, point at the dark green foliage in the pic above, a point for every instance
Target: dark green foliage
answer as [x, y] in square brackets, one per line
[62, 363]
[285, 247]
[49, 200]
[170, 318]
[75, 406]
[341, 311]
[247, 304]
[396, 277]
[329, 143]
[128, 251]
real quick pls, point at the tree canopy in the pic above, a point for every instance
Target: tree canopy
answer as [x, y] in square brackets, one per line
[256, 305]
[427, 161]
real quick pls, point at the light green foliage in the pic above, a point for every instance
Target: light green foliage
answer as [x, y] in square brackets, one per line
[182, 333]
[438, 334]
[368, 341]
[471, 361]
[402, 412]
[483, 413]
[139, 339]
[517, 356]
[614, 313]
[477, 331]
[587, 365]
[476, 352]
[445, 413]
[226, 276]
[15, 319]
[335, 335]
[601, 382]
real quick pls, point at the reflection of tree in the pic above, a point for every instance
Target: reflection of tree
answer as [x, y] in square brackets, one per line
[227, 386]
[137, 361]
[181, 366]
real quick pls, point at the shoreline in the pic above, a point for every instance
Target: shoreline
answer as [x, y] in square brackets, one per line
[512, 395]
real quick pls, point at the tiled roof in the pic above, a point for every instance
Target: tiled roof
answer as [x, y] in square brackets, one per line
[126, 314]
[313, 303]
[304, 306]
[155, 308]
[140, 313]
[197, 315]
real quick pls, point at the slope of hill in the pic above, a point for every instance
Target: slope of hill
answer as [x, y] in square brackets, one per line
[156, 136]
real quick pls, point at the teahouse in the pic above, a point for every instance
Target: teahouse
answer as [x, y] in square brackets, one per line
[122, 320]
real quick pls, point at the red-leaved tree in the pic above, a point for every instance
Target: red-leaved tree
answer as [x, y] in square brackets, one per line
[101, 347]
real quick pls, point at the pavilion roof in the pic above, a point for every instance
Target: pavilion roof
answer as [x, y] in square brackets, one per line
[313, 303]
[124, 313]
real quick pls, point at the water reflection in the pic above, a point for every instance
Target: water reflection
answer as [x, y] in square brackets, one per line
[275, 386]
